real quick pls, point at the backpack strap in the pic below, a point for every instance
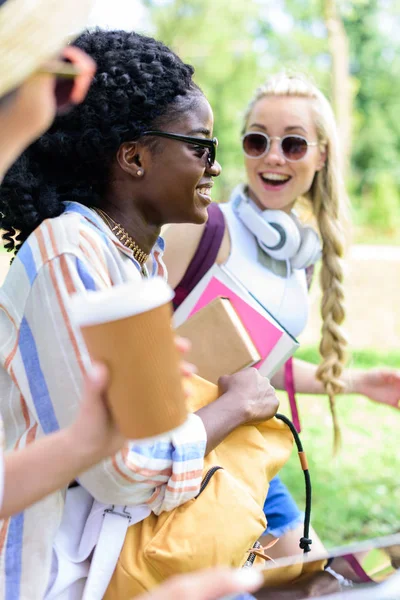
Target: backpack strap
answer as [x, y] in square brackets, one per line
[111, 537]
[291, 392]
[106, 554]
[289, 375]
[205, 255]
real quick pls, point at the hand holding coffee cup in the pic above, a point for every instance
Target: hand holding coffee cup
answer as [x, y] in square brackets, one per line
[128, 328]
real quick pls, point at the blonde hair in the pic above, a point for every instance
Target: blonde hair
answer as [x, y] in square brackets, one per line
[330, 206]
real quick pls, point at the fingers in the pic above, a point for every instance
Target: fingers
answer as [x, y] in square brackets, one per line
[207, 585]
[96, 379]
[183, 344]
[87, 68]
[187, 369]
[223, 381]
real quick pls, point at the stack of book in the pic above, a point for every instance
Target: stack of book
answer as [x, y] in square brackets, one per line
[229, 329]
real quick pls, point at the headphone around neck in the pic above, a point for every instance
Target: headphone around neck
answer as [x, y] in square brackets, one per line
[280, 235]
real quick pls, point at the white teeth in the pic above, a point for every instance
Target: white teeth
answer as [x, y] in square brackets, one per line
[274, 177]
[206, 191]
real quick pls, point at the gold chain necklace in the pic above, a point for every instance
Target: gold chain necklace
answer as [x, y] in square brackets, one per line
[123, 236]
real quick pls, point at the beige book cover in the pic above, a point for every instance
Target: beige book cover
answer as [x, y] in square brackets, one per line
[221, 345]
[272, 340]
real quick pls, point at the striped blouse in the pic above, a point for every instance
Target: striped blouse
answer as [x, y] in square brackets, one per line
[43, 358]
[1, 463]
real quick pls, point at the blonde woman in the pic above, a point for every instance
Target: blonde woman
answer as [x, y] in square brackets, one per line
[290, 152]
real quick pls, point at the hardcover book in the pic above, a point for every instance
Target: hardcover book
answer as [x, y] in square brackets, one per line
[221, 345]
[272, 341]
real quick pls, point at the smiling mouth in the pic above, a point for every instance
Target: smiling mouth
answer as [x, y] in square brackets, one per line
[204, 191]
[274, 179]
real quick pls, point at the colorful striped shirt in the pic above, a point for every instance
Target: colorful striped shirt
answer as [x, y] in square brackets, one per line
[43, 358]
[2, 466]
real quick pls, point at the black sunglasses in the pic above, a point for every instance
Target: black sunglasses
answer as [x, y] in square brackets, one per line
[211, 145]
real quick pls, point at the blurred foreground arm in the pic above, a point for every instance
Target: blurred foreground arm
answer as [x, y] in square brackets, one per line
[53, 461]
[210, 584]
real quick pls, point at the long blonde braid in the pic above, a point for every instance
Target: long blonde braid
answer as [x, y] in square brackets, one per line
[330, 206]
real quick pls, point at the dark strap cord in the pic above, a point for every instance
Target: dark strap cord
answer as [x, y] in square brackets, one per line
[305, 541]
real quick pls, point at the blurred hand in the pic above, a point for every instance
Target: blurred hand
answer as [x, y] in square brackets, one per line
[29, 110]
[94, 428]
[252, 394]
[187, 369]
[379, 385]
[24, 115]
[319, 584]
[210, 584]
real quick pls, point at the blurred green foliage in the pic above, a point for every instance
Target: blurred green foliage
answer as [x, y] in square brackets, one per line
[359, 358]
[235, 45]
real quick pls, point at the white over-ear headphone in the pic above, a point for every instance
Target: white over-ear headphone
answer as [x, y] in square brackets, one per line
[281, 235]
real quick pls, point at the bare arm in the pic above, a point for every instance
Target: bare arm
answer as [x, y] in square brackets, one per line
[306, 382]
[181, 241]
[26, 114]
[181, 244]
[52, 462]
[210, 584]
[379, 384]
[245, 397]
[318, 584]
[220, 418]
[42, 468]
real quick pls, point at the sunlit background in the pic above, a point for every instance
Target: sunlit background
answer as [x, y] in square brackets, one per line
[234, 45]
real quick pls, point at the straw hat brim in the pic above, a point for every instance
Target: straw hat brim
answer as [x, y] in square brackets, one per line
[32, 31]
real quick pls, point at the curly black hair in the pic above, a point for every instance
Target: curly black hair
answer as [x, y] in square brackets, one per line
[140, 84]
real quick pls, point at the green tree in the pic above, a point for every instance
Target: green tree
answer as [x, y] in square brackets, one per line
[374, 32]
[218, 40]
[372, 28]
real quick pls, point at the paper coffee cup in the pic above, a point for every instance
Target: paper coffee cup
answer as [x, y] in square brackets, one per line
[128, 328]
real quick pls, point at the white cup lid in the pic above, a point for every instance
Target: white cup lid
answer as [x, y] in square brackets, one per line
[119, 302]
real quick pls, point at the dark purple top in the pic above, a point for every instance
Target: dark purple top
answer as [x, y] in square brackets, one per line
[205, 255]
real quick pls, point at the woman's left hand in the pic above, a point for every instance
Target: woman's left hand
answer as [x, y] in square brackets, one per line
[379, 385]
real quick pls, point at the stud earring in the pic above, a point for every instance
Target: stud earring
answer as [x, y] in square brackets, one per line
[139, 172]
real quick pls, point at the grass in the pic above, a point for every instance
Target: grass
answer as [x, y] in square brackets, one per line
[355, 494]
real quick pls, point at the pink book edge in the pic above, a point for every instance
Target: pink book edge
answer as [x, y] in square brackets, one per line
[263, 333]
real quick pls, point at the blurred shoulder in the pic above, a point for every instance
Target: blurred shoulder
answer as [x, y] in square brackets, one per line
[181, 243]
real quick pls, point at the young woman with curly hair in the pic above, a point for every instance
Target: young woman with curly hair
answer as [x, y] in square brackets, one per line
[82, 209]
[291, 155]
